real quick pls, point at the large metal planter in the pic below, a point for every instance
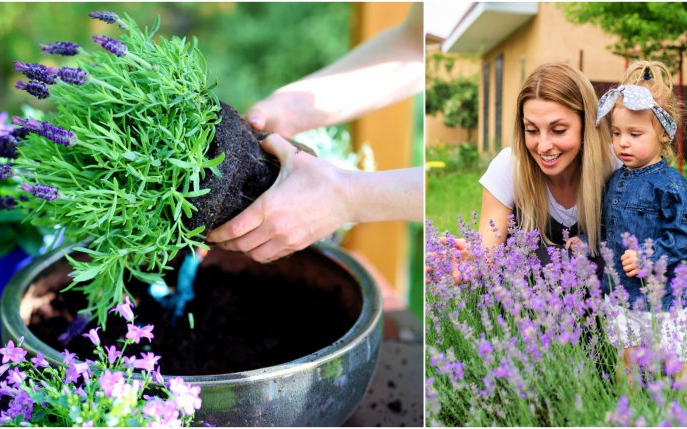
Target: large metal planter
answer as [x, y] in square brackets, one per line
[319, 389]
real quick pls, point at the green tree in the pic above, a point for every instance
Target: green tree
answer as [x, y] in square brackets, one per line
[652, 31]
[455, 98]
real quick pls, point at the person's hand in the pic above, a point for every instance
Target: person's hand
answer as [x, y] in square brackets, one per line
[573, 243]
[629, 261]
[285, 113]
[308, 201]
[462, 247]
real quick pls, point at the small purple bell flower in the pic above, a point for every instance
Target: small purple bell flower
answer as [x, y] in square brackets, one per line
[37, 72]
[113, 45]
[109, 17]
[35, 88]
[61, 48]
[44, 192]
[73, 75]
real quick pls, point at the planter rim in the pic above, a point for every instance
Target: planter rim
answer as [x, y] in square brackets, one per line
[367, 322]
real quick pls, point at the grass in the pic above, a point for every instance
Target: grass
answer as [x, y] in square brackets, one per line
[452, 193]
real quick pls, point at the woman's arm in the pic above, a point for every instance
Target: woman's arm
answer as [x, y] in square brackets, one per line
[381, 71]
[496, 211]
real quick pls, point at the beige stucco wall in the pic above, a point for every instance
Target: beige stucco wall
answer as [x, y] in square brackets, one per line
[548, 37]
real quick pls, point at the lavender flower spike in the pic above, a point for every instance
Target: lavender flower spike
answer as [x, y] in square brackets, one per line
[44, 192]
[73, 75]
[8, 147]
[6, 171]
[109, 17]
[49, 131]
[37, 72]
[7, 203]
[61, 48]
[35, 88]
[113, 45]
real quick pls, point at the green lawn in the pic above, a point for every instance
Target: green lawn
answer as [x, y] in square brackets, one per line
[452, 193]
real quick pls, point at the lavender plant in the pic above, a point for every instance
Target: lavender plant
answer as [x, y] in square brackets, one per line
[13, 230]
[113, 390]
[123, 156]
[512, 342]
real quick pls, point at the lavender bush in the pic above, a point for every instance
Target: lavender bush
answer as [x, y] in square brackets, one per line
[123, 157]
[113, 390]
[516, 343]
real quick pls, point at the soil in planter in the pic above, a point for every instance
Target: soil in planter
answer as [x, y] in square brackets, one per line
[241, 323]
[247, 171]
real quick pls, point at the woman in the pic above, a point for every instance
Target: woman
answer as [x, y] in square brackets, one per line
[552, 178]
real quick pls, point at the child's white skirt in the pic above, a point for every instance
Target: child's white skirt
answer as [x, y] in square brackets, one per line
[629, 328]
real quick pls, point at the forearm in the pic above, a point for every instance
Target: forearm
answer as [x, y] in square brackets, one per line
[381, 71]
[392, 195]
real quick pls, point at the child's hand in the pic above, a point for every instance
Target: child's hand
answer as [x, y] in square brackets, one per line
[573, 243]
[462, 247]
[629, 261]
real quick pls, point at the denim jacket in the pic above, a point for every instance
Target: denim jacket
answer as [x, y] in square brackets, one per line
[649, 202]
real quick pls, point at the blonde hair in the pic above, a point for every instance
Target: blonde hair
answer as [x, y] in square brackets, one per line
[560, 83]
[660, 83]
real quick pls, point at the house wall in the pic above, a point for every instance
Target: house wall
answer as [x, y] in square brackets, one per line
[548, 37]
[389, 133]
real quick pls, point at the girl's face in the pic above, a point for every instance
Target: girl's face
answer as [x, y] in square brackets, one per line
[553, 135]
[635, 139]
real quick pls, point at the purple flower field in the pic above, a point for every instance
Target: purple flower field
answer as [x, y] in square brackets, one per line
[518, 343]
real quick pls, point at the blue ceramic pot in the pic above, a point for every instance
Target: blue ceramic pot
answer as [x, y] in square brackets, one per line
[12, 262]
[319, 389]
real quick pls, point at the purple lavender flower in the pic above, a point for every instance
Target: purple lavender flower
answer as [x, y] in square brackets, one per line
[44, 192]
[10, 353]
[147, 362]
[15, 376]
[6, 171]
[7, 203]
[49, 131]
[622, 416]
[113, 45]
[35, 88]
[109, 17]
[135, 333]
[93, 336]
[5, 129]
[8, 146]
[37, 72]
[73, 75]
[61, 48]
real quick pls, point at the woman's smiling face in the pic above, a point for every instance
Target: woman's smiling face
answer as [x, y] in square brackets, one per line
[553, 135]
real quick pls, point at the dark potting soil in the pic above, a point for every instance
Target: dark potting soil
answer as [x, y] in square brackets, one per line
[241, 323]
[247, 171]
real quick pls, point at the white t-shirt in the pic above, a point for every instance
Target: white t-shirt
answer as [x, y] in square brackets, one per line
[498, 180]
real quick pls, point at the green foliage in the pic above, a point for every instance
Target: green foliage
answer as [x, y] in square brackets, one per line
[456, 99]
[251, 48]
[656, 29]
[13, 230]
[143, 124]
[459, 158]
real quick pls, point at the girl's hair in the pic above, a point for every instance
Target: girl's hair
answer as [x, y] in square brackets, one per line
[655, 76]
[568, 87]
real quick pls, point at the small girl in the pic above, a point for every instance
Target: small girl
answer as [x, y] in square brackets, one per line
[645, 197]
